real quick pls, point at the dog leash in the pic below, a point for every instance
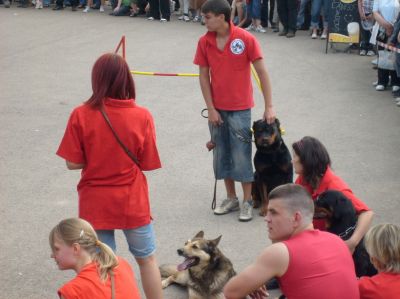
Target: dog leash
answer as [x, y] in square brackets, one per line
[344, 234]
[215, 150]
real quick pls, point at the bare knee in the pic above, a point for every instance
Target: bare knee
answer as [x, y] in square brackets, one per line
[146, 260]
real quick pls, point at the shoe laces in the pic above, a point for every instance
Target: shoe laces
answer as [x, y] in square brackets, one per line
[246, 208]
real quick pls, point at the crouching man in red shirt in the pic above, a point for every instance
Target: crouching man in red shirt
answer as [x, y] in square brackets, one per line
[308, 263]
[224, 55]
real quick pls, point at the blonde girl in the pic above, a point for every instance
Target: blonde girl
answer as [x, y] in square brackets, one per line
[383, 245]
[100, 274]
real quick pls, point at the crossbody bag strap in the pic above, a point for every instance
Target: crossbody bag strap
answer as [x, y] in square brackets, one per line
[127, 151]
[112, 284]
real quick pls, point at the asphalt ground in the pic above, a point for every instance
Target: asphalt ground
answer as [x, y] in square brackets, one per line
[45, 65]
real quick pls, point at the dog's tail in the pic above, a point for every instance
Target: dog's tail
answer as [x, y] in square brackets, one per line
[167, 270]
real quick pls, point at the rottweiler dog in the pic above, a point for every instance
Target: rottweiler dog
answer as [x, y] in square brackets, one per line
[272, 162]
[341, 219]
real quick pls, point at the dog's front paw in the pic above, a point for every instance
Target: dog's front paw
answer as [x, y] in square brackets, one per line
[164, 283]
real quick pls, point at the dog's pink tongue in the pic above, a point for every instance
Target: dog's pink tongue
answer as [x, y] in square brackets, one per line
[186, 264]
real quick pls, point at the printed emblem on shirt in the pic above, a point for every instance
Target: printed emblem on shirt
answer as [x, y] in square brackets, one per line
[237, 46]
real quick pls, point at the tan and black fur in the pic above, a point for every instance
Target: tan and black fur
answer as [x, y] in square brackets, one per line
[205, 270]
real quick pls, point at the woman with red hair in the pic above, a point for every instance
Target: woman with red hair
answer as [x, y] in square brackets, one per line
[112, 140]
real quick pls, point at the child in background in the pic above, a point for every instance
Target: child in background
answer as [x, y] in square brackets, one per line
[239, 13]
[75, 246]
[383, 245]
[124, 8]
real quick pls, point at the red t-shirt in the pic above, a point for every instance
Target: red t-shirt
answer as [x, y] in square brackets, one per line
[87, 284]
[320, 266]
[330, 181]
[229, 69]
[381, 286]
[113, 192]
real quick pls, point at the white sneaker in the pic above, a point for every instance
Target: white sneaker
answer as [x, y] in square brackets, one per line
[150, 19]
[101, 9]
[375, 83]
[186, 18]
[363, 52]
[314, 35]
[246, 211]
[228, 205]
[324, 36]
[196, 19]
[163, 20]
[380, 87]
[180, 18]
[370, 53]
[260, 29]
[375, 61]
[250, 28]
[87, 9]
[395, 88]
[397, 100]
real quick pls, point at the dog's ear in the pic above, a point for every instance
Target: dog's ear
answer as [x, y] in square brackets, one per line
[199, 235]
[215, 242]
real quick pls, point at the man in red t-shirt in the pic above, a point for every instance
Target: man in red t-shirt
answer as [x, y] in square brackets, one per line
[224, 56]
[308, 263]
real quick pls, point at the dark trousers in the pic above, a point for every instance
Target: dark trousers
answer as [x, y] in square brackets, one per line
[265, 14]
[287, 11]
[365, 37]
[73, 3]
[383, 77]
[157, 6]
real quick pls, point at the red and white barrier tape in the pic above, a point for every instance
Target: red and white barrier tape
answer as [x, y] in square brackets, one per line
[386, 46]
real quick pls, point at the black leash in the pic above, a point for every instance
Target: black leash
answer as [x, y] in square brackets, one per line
[214, 200]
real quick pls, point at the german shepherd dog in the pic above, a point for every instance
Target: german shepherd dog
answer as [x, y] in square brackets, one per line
[272, 162]
[205, 270]
[341, 219]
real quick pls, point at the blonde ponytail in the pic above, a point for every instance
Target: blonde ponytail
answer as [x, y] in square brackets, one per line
[105, 259]
[77, 230]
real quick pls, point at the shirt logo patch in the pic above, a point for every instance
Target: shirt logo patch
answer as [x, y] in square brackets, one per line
[237, 46]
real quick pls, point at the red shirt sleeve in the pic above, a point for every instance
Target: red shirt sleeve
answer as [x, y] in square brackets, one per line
[149, 158]
[359, 206]
[254, 49]
[68, 292]
[71, 147]
[367, 289]
[201, 58]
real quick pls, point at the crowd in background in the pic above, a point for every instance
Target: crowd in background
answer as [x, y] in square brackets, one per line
[379, 22]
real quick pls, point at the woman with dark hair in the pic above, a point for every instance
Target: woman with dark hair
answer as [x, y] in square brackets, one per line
[311, 162]
[113, 192]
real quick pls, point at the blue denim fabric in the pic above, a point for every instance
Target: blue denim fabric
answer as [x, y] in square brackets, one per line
[316, 12]
[141, 240]
[300, 14]
[232, 153]
[254, 9]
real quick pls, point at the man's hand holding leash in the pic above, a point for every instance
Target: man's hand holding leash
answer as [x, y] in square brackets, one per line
[214, 117]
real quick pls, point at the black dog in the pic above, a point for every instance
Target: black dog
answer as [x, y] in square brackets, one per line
[341, 220]
[272, 162]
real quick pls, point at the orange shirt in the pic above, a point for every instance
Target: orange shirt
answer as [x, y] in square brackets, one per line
[381, 286]
[87, 284]
[113, 192]
[229, 69]
[330, 181]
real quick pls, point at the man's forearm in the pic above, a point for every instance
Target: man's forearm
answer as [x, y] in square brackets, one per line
[206, 89]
